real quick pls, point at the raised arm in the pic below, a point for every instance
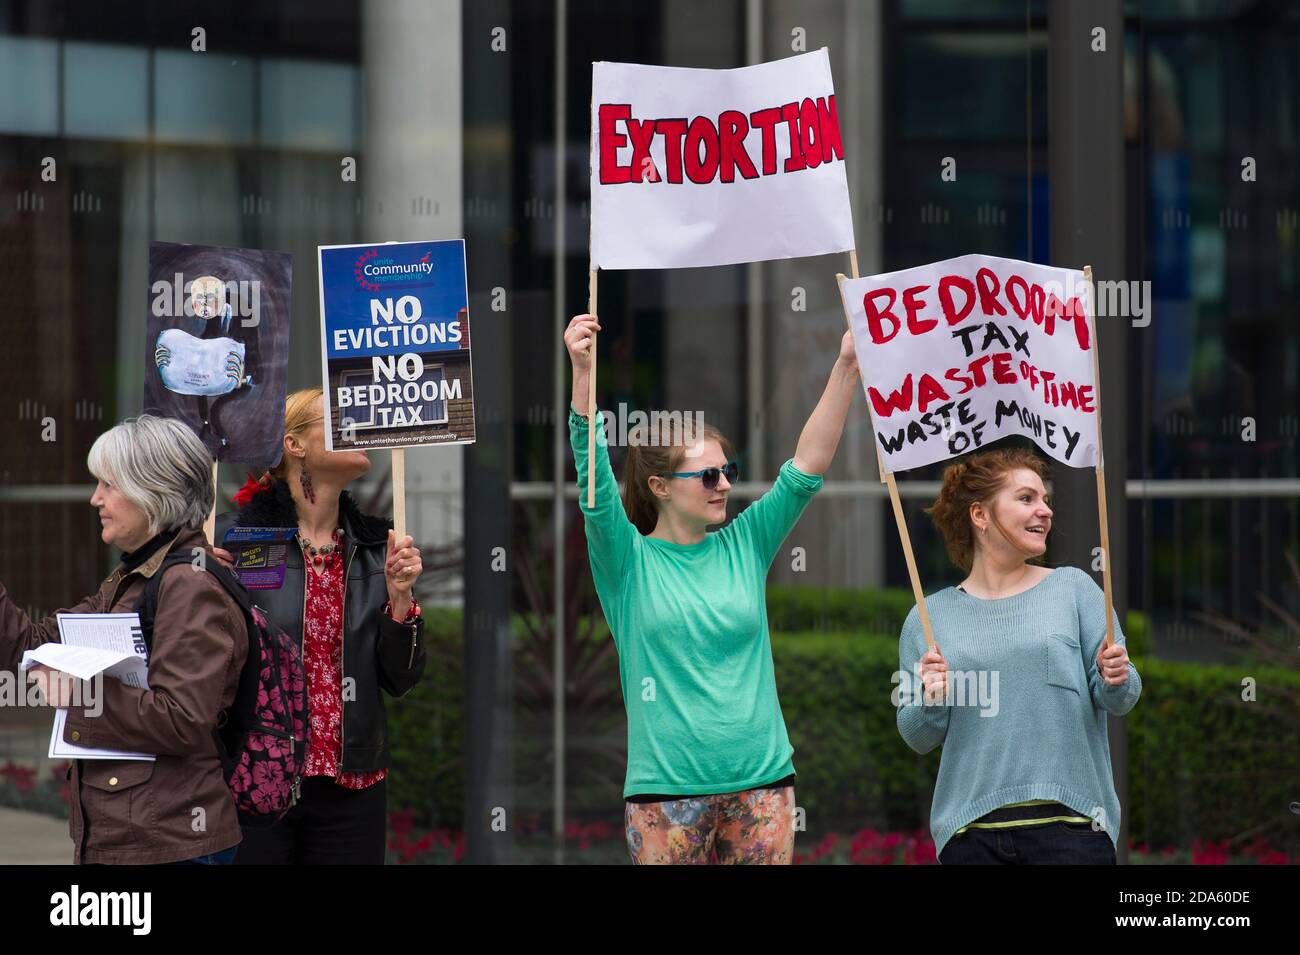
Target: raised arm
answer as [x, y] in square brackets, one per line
[577, 339]
[821, 435]
[610, 535]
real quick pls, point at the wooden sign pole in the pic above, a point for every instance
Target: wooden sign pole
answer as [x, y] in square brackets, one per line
[1101, 459]
[399, 478]
[591, 395]
[210, 525]
[888, 479]
[399, 493]
[880, 461]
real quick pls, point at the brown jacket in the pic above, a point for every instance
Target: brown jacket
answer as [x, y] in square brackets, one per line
[177, 806]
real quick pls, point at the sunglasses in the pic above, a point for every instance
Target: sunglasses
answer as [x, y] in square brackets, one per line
[709, 476]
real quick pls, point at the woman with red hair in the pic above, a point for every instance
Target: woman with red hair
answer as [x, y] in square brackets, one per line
[1025, 775]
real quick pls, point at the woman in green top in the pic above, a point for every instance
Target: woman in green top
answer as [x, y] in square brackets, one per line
[709, 771]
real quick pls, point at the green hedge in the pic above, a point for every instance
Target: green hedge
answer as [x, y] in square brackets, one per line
[1202, 763]
[426, 729]
[1205, 762]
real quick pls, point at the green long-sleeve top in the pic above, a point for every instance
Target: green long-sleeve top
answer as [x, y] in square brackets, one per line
[690, 625]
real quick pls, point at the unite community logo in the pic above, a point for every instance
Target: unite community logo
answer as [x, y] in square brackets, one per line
[371, 271]
[72, 908]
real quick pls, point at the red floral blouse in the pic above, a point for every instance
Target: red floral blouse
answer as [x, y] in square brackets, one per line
[322, 650]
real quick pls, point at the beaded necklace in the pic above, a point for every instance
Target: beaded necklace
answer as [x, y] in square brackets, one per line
[325, 553]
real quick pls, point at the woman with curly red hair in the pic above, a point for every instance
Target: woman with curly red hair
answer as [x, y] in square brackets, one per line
[1025, 774]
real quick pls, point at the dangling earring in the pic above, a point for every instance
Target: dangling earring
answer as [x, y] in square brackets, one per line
[307, 491]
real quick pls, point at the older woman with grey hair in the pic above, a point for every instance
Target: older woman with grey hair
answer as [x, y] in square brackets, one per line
[153, 494]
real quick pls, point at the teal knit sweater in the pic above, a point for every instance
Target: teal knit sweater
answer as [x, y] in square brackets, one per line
[1026, 712]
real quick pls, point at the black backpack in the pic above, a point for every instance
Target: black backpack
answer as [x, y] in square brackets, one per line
[261, 737]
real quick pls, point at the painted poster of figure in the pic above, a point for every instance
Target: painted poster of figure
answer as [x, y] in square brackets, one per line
[217, 346]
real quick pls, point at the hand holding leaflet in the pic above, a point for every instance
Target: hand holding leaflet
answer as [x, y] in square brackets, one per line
[89, 639]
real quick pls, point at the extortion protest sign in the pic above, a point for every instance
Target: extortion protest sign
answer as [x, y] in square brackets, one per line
[958, 353]
[697, 167]
[395, 345]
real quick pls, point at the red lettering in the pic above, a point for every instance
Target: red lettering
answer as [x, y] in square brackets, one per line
[1075, 310]
[790, 113]
[1019, 306]
[1054, 309]
[1050, 310]
[702, 151]
[641, 134]
[1085, 398]
[1048, 387]
[950, 312]
[732, 130]
[900, 401]
[672, 130]
[1002, 372]
[927, 391]
[766, 120]
[977, 370]
[611, 173]
[810, 137]
[875, 314]
[1069, 396]
[702, 132]
[829, 125]
[987, 281]
[913, 304]
[955, 375]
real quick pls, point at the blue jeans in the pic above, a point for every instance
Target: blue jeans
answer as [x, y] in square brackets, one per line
[224, 857]
[1057, 843]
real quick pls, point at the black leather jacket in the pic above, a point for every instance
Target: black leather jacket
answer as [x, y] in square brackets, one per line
[378, 653]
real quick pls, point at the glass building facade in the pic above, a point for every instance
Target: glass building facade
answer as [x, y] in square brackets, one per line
[122, 123]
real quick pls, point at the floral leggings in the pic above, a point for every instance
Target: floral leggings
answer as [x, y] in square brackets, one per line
[752, 827]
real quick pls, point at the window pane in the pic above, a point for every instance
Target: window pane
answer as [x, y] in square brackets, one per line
[106, 91]
[203, 98]
[308, 105]
[29, 87]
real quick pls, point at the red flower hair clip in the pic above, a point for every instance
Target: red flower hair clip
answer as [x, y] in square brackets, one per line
[254, 485]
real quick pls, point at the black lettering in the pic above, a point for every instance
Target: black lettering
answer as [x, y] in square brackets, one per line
[891, 445]
[1004, 410]
[964, 334]
[991, 332]
[1071, 439]
[1020, 339]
